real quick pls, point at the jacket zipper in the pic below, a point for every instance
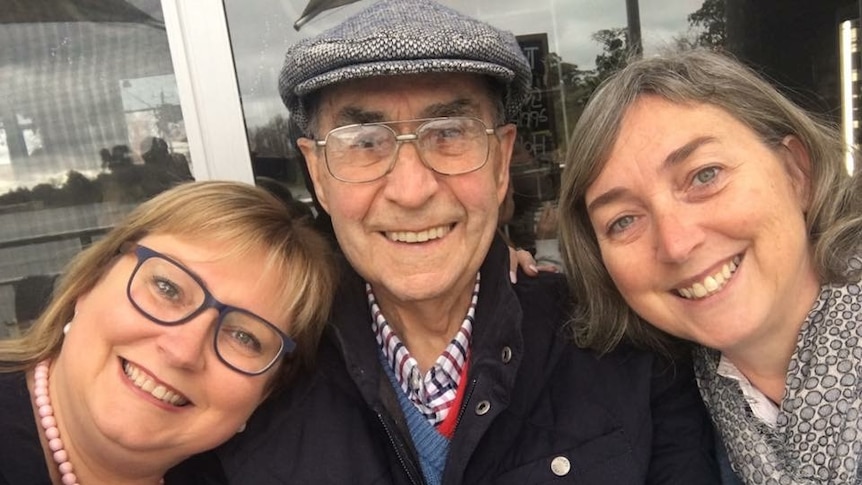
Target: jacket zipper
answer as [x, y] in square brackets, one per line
[466, 401]
[398, 453]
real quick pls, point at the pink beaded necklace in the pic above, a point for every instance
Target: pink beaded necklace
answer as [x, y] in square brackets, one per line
[49, 423]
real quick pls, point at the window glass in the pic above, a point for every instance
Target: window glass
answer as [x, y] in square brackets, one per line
[572, 46]
[90, 125]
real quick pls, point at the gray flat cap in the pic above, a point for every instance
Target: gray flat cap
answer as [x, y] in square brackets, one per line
[395, 37]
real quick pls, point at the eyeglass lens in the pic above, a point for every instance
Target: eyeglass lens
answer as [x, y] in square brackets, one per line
[168, 294]
[451, 146]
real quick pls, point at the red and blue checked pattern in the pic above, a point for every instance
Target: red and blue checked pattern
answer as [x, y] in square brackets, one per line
[433, 393]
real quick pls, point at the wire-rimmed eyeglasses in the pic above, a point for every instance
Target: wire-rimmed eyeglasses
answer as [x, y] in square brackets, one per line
[366, 152]
[168, 293]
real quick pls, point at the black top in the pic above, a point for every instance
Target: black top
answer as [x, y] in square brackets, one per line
[536, 408]
[21, 458]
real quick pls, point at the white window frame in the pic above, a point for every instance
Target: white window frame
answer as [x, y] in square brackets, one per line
[208, 89]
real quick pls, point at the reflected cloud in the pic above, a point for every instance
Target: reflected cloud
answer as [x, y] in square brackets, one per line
[35, 11]
[261, 31]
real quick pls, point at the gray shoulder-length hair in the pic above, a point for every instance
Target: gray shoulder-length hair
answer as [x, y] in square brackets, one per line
[603, 318]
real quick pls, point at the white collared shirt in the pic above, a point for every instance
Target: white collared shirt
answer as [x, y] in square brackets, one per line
[761, 406]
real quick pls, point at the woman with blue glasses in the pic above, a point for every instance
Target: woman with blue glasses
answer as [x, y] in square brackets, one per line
[162, 338]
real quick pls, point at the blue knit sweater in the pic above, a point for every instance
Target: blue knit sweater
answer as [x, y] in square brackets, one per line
[430, 444]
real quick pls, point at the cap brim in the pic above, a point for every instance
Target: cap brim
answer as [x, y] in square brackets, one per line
[402, 67]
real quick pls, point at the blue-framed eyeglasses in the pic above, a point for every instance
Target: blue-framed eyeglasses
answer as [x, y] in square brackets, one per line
[168, 293]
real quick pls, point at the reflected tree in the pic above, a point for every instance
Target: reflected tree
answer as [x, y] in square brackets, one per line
[579, 84]
[272, 139]
[121, 182]
[710, 21]
[615, 52]
[44, 192]
[78, 189]
[21, 195]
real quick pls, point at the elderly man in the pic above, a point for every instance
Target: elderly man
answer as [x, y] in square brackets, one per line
[435, 368]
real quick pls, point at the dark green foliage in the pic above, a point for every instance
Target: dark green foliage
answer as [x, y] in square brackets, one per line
[123, 183]
[711, 18]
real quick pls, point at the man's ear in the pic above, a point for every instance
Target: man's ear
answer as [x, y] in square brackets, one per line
[506, 135]
[311, 154]
[798, 166]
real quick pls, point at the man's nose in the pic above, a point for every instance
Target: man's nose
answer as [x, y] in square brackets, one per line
[411, 182]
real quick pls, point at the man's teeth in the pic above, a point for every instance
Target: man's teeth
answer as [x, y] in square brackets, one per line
[710, 284]
[421, 236]
[141, 380]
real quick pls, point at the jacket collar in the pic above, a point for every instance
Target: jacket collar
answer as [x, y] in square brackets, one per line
[497, 325]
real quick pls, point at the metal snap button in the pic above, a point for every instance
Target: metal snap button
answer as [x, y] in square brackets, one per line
[506, 354]
[560, 466]
[483, 407]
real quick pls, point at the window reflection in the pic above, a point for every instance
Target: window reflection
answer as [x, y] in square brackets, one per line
[90, 125]
[572, 46]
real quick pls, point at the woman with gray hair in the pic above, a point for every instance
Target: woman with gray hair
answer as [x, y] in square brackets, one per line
[699, 204]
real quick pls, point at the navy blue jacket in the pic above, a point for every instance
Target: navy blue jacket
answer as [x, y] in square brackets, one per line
[627, 417]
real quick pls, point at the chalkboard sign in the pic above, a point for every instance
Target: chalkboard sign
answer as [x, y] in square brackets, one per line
[537, 123]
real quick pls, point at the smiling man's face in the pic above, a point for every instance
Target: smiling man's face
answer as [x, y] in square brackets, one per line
[414, 234]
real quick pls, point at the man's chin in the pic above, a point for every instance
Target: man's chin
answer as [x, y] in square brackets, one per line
[414, 288]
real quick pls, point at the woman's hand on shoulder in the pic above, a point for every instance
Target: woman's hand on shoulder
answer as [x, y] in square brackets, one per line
[521, 258]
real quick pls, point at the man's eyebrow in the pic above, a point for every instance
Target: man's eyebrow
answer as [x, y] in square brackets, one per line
[672, 159]
[350, 115]
[458, 107]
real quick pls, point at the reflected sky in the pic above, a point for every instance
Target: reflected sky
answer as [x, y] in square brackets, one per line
[262, 30]
[74, 86]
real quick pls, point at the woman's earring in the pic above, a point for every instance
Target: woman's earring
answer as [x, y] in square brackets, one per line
[241, 428]
[68, 325]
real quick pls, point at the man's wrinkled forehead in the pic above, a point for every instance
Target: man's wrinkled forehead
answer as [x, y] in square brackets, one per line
[386, 98]
[349, 114]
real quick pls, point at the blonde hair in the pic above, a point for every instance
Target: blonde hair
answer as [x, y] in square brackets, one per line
[834, 218]
[241, 217]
